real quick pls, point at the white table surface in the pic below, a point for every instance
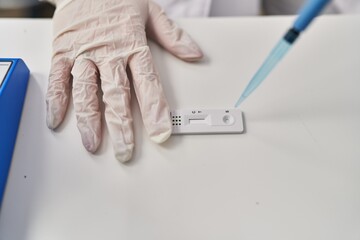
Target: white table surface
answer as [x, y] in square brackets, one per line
[295, 174]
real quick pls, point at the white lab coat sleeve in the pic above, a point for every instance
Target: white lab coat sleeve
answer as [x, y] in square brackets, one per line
[235, 8]
[186, 8]
[293, 6]
[173, 8]
[347, 6]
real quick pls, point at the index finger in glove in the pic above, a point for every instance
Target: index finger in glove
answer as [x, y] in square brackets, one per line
[153, 105]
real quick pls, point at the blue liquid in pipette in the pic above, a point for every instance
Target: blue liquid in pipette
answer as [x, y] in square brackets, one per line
[272, 60]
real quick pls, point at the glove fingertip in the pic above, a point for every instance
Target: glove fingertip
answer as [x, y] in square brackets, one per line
[124, 153]
[91, 144]
[90, 136]
[162, 137]
[52, 121]
[192, 55]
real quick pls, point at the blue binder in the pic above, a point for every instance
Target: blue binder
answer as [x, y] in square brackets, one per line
[14, 77]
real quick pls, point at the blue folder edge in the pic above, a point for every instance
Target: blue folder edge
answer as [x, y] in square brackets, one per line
[12, 96]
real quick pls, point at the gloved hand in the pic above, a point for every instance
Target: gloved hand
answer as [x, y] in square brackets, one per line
[96, 39]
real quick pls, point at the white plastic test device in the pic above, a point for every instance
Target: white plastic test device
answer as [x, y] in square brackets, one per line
[207, 121]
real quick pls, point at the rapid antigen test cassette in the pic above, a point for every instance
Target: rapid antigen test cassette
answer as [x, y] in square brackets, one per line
[207, 121]
[14, 77]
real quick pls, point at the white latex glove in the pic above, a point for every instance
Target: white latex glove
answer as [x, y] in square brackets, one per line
[348, 6]
[99, 39]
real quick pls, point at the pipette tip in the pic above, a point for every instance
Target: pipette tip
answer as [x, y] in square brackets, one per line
[239, 101]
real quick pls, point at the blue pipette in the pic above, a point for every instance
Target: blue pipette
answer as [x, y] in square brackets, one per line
[311, 9]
